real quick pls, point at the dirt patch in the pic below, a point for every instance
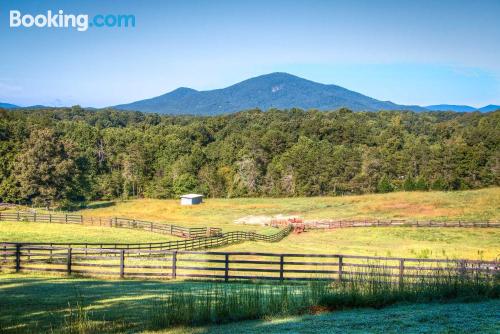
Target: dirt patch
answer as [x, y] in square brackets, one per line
[263, 220]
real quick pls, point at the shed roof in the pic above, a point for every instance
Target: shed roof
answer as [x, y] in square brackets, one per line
[191, 196]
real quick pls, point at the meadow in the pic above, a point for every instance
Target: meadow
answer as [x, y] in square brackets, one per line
[32, 303]
[44, 303]
[384, 241]
[481, 204]
[68, 233]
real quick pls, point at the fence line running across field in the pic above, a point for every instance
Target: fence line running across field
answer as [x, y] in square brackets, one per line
[334, 224]
[132, 263]
[175, 230]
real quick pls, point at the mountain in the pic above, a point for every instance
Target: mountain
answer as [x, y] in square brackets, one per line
[461, 108]
[275, 90]
[490, 107]
[450, 107]
[8, 105]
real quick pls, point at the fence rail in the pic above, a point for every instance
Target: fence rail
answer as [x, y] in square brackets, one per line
[131, 263]
[334, 224]
[221, 239]
[175, 230]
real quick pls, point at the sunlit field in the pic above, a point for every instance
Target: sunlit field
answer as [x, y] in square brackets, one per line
[437, 243]
[465, 205]
[87, 305]
[67, 233]
[45, 303]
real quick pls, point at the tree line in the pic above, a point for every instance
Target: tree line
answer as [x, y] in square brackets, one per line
[66, 156]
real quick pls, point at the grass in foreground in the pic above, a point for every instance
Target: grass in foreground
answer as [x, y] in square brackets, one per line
[94, 306]
[53, 232]
[458, 318]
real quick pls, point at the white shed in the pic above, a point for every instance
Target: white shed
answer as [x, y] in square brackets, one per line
[191, 199]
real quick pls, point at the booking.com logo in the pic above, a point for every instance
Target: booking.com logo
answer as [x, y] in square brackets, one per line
[79, 22]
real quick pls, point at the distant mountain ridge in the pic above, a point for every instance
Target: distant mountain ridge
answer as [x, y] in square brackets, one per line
[461, 108]
[275, 90]
[8, 105]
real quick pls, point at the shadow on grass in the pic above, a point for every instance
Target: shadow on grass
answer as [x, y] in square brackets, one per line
[464, 318]
[34, 304]
[100, 205]
[38, 304]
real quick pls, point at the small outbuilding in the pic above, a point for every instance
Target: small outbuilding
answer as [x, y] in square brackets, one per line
[191, 199]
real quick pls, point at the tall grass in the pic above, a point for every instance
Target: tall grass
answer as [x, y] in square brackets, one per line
[221, 303]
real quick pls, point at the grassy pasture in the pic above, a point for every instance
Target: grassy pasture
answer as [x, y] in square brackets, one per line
[435, 243]
[411, 319]
[67, 233]
[385, 241]
[36, 303]
[481, 204]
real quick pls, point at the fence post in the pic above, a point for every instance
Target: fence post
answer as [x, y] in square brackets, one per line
[18, 218]
[18, 258]
[226, 270]
[122, 263]
[50, 218]
[151, 227]
[70, 251]
[174, 264]
[66, 218]
[34, 216]
[282, 263]
[341, 265]
[401, 271]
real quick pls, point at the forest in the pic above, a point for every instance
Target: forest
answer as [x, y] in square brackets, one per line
[65, 157]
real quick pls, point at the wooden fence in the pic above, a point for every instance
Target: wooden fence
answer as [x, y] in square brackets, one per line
[141, 263]
[221, 239]
[175, 230]
[333, 224]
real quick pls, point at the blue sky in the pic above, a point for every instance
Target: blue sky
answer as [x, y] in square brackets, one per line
[409, 52]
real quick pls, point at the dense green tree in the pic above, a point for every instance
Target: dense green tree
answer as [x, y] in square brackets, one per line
[63, 155]
[46, 171]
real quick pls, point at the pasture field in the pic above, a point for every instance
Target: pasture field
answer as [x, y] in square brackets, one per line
[67, 233]
[435, 243]
[481, 204]
[411, 319]
[33, 303]
[36, 303]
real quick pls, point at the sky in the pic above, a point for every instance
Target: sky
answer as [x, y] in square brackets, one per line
[409, 52]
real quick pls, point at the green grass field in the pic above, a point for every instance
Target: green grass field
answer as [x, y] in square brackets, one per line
[454, 243]
[35, 304]
[387, 241]
[67, 233]
[456, 318]
[481, 204]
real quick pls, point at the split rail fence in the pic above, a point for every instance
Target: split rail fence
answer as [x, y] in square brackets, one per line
[333, 224]
[175, 230]
[165, 264]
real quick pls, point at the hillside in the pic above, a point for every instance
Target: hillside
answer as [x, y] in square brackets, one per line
[461, 108]
[275, 90]
[7, 105]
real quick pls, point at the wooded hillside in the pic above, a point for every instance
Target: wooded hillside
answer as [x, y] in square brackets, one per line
[68, 155]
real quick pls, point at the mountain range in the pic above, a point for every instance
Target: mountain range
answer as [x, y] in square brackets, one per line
[274, 90]
[461, 108]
